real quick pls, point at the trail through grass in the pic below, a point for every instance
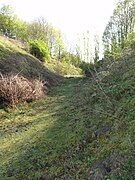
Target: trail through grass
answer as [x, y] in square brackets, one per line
[36, 139]
[53, 138]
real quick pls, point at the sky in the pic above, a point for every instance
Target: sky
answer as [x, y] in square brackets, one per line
[72, 17]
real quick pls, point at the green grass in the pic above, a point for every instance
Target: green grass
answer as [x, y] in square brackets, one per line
[82, 129]
[54, 137]
[15, 60]
[63, 68]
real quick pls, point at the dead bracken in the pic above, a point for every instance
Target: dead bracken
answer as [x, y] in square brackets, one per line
[16, 89]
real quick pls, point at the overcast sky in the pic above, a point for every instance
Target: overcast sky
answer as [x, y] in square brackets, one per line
[70, 16]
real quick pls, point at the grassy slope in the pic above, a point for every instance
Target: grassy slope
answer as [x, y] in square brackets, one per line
[14, 59]
[81, 130]
[63, 68]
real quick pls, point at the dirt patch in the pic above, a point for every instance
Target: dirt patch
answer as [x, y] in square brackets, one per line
[109, 165]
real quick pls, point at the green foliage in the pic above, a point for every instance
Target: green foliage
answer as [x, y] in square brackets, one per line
[40, 29]
[119, 31]
[45, 40]
[130, 42]
[14, 59]
[83, 129]
[88, 68]
[20, 30]
[7, 20]
[39, 49]
[36, 30]
[11, 25]
[96, 53]
[63, 68]
[68, 57]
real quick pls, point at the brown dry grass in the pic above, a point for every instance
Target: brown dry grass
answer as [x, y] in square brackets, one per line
[17, 89]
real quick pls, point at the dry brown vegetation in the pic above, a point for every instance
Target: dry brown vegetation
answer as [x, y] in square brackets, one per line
[16, 89]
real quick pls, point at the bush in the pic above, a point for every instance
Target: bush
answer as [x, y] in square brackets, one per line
[15, 89]
[39, 49]
[89, 68]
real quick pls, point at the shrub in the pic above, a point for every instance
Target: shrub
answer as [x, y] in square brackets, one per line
[17, 89]
[90, 68]
[39, 49]
[87, 68]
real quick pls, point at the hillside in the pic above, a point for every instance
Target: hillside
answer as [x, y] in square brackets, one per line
[63, 68]
[82, 129]
[14, 59]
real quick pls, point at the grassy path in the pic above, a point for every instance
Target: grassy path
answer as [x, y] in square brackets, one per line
[37, 140]
[60, 137]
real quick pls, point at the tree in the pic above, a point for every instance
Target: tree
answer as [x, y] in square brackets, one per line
[37, 29]
[40, 29]
[96, 49]
[6, 20]
[78, 49]
[60, 45]
[10, 24]
[120, 25]
[86, 54]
